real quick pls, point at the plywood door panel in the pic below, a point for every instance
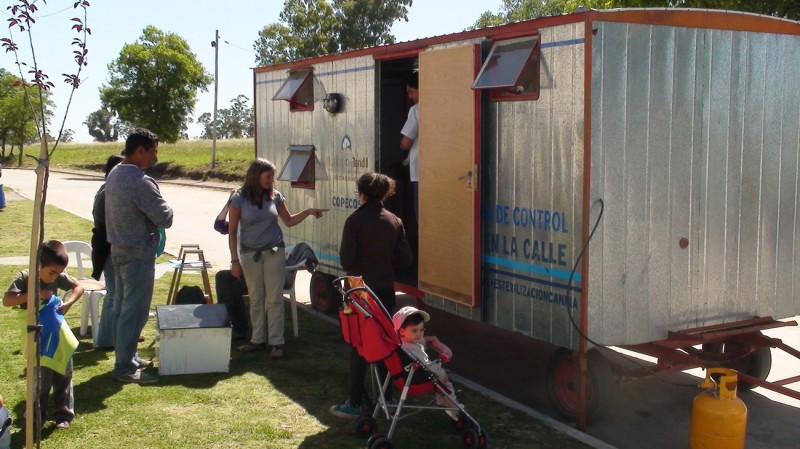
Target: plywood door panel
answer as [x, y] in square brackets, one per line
[448, 203]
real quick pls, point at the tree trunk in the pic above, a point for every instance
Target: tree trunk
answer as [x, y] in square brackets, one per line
[42, 174]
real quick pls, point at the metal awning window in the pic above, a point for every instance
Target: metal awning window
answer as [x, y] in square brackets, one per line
[303, 168]
[511, 69]
[298, 90]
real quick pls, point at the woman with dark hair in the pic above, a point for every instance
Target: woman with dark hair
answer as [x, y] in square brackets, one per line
[373, 245]
[254, 233]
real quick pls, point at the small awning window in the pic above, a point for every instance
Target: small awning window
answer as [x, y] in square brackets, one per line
[511, 68]
[302, 168]
[298, 90]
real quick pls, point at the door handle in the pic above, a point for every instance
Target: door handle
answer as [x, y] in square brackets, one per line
[471, 176]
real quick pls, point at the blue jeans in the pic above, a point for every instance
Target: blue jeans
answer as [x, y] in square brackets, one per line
[105, 330]
[134, 280]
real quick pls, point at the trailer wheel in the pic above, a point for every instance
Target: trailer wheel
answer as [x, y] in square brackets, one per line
[756, 364]
[323, 296]
[562, 385]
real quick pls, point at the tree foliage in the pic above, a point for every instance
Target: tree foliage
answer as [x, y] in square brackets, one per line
[67, 135]
[154, 83]
[518, 10]
[22, 19]
[306, 29]
[233, 123]
[20, 111]
[367, 23]
[103, 125]
[316, 27]
[788, 9]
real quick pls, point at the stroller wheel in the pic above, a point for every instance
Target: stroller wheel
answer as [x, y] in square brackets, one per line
[483, 438]
[470, 438]
[462, 423]
[366, 426]
[379, 442]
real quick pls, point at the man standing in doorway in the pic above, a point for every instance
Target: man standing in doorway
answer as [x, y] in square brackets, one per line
[134, 212]
[409, 139]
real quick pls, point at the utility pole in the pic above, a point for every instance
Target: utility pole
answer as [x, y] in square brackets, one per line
[215, 44]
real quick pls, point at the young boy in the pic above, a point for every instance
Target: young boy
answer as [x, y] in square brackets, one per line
[57, 342]
[409, 322]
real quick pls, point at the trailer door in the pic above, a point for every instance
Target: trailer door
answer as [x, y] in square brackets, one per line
[449, 154]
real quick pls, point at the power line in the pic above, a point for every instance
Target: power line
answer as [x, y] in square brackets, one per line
[240, 48]
[43, 16]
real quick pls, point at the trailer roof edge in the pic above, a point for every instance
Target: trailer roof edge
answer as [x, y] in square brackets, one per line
[682, 17]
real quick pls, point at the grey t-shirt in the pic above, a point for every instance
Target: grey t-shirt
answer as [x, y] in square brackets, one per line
[20, 284]
[258, 228]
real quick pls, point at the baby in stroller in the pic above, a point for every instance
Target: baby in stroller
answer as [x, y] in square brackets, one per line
[409, 322]
[398, 342]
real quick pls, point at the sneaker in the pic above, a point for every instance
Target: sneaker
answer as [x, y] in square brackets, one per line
[62, 425]
[346, 410]
[453, 414]
[277, 352]
[137, 378]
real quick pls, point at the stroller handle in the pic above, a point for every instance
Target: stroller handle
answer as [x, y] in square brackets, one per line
[347, 296]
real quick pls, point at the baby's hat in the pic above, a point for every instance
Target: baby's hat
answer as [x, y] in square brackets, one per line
[405, 312]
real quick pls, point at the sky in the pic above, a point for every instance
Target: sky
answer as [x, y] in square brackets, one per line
[115, 23]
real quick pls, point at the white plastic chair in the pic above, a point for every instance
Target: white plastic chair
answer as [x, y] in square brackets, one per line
[78, 251]
[291, 274]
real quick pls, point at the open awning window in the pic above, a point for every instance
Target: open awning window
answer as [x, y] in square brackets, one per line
[511, 70]
[298, 90]
[303, 168]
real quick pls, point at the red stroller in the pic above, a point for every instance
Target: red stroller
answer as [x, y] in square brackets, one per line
[367, 327]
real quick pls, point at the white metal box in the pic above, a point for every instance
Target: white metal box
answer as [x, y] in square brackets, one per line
[193, 339]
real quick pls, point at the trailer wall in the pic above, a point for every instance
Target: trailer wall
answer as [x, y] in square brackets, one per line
[694, 136]
[532, 168]
[278, 128]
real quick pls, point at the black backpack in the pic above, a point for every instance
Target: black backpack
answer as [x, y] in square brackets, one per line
[190, 294]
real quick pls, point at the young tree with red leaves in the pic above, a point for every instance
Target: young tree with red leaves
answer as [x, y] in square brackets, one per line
[22, 19]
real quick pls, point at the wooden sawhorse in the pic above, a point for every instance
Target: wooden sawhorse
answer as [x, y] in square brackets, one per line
[186, 249]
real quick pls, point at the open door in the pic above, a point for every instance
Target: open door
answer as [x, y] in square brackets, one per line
[449, 194]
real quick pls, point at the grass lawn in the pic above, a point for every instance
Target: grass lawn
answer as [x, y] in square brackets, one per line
[260, 403]
[183, 159]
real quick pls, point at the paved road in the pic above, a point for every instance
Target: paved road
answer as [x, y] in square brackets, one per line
[195, 208]
[649, 413]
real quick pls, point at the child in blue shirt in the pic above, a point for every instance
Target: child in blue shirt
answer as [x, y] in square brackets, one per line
[57, 343]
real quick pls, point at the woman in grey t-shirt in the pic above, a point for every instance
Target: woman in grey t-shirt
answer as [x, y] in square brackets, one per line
[254, 233]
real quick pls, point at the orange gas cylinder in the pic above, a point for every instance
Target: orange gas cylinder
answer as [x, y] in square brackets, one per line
[719, 418]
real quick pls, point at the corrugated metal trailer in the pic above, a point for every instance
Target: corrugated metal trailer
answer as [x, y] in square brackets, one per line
[675, 132]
